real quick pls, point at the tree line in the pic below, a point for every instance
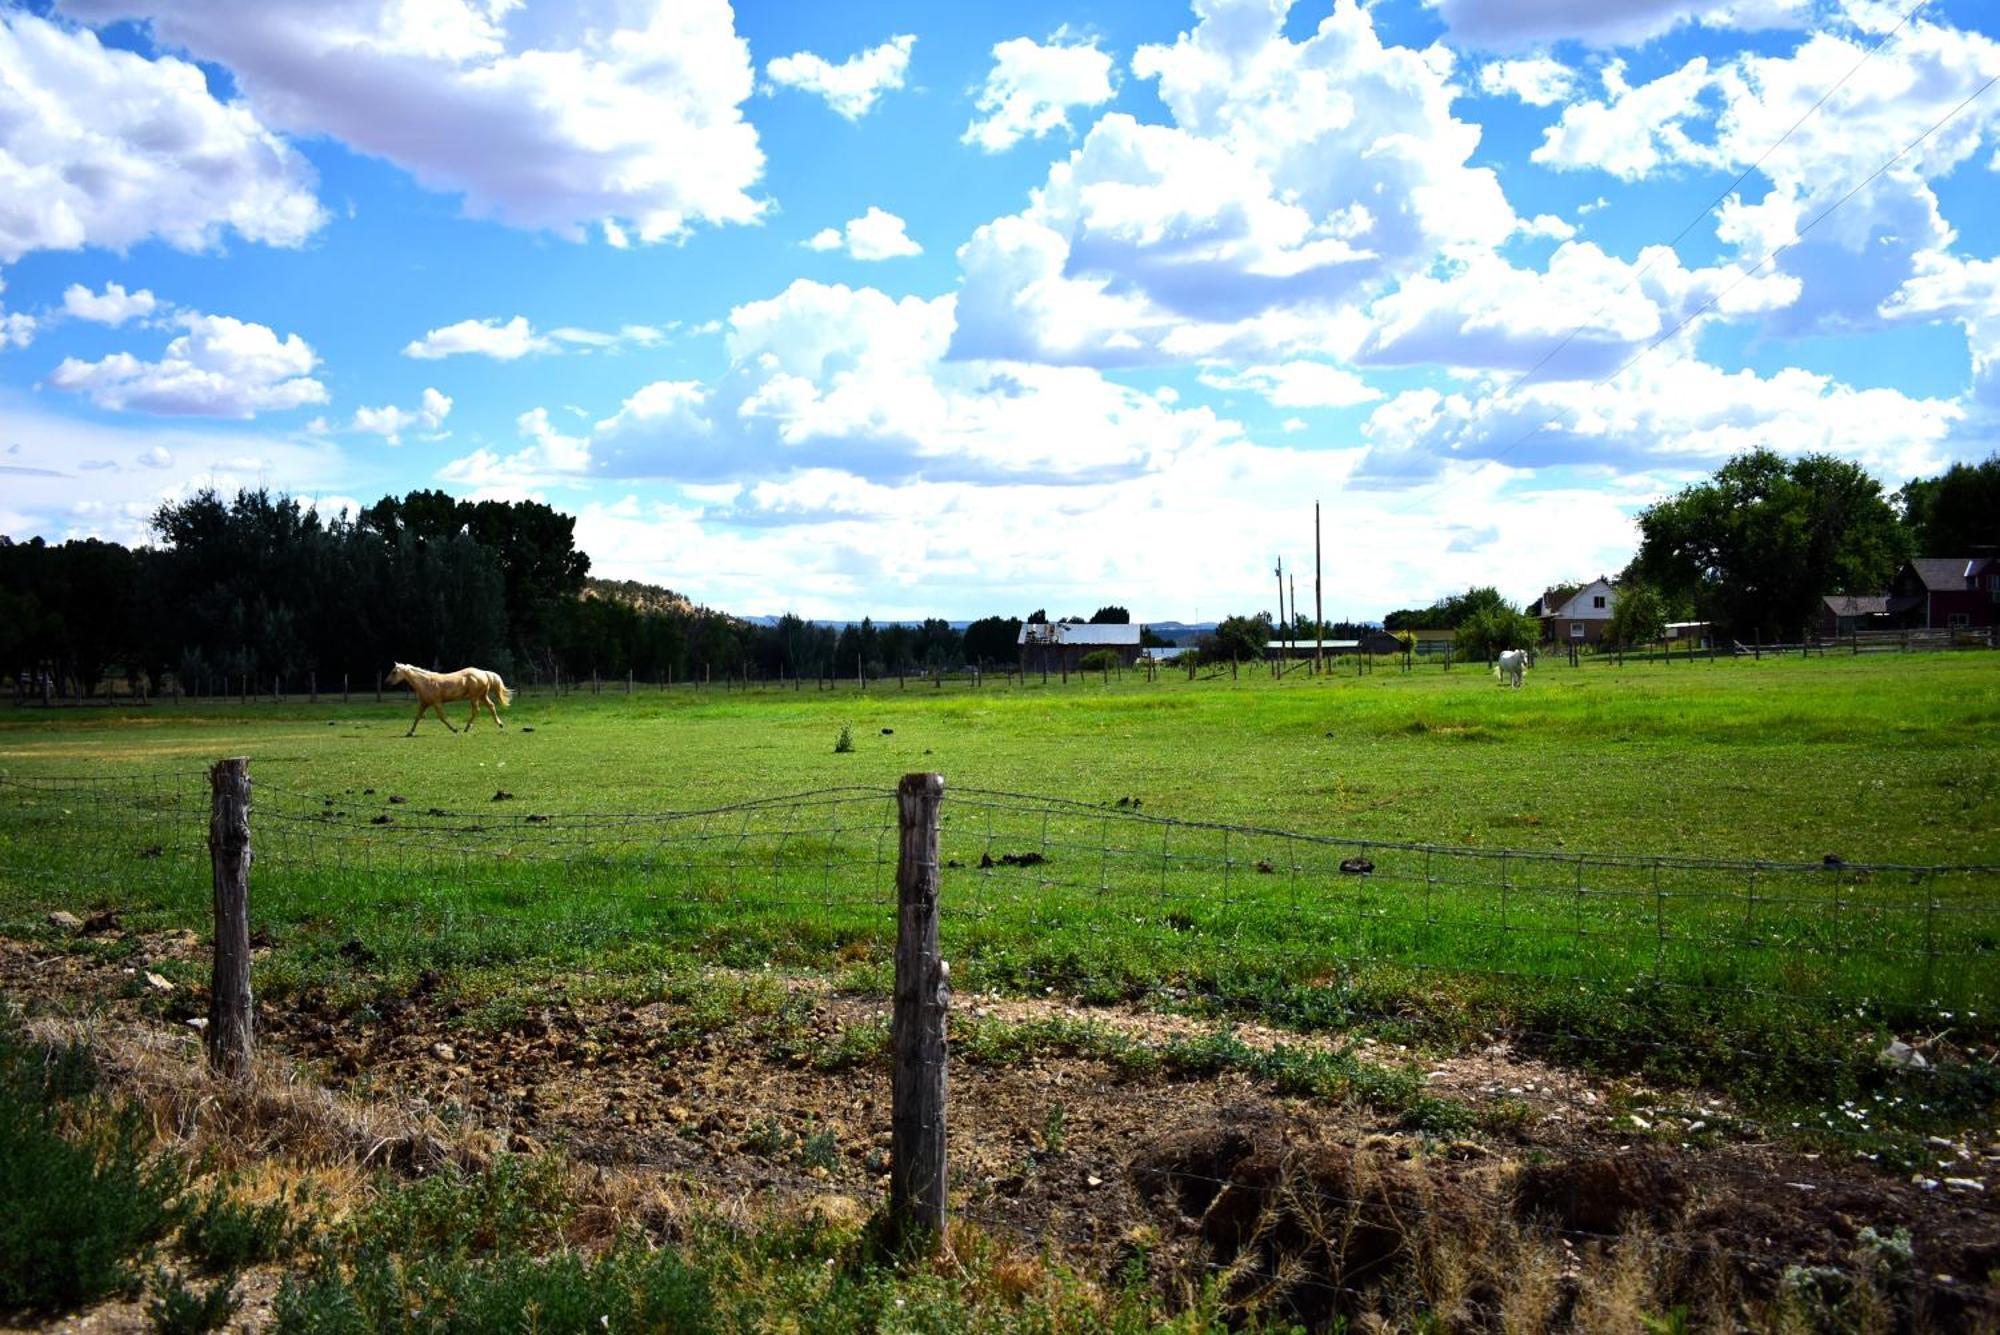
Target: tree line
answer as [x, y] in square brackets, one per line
[261, 586]
[1754, 547]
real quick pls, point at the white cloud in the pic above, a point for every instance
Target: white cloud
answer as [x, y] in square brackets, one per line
[1487, 314]
[549, 459]
[829, 377]
[221, 367]
[390, 422]
[853, 86]
[1296, 176]
[46, 491]
[1513, 24]
[516, 338]
[1538, 81]
[1663, 414]
[1966, 292]
[629, 114]
[1634, 131]
[113, 306]
[102, 147]
[1296, 384]
[17, 329]
[485, 338]
[875, 235]
[1031, 87]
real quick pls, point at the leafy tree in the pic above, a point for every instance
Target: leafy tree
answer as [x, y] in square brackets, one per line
[1956, 513]
[1493, 628]
[1111, 616]
[992, 640]
[1038, 617]
[1239, 637]
[1447, 613]
[1757, 545]
[1640, 616]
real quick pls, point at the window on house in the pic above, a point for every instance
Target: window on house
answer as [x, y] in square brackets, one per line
[1959, 620]
[1597, 600]
[1576, 630]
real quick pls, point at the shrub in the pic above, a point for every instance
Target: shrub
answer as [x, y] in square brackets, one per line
[223, 1234]
[82, 1198]
[845, 742]
[177, 1309]
[1099, 660]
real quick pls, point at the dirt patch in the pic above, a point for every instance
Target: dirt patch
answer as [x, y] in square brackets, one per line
[1293, 1205]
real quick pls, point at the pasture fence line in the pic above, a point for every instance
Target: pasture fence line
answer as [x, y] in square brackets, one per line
[42, 690]
[1436, 988]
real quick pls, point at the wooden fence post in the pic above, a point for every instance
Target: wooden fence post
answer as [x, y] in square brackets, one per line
[378, 688]
[229, 1038]
[917, 1116]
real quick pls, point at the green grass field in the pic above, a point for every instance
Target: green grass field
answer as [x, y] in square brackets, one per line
[1768, 980]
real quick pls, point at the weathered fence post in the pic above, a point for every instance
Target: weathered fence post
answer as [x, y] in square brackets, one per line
[917, 1149]
[378, 688]
[229, 1036]
[312, 686]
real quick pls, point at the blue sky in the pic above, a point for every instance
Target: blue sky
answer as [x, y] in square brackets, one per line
[906, 309]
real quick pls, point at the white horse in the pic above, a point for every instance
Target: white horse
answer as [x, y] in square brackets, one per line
[1512, 667]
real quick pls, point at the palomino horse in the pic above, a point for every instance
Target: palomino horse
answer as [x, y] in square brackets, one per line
[432, 689]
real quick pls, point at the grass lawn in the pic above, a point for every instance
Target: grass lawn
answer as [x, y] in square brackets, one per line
[1684, 970]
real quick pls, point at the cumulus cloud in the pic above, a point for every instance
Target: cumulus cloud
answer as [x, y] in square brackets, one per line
[559, 123]
[1666, 414]
[1296, 175]
[549, 458]
[485, 338]
[17, 329]
[826, 376]
[113, 306]
[852, 87]
[1583, 315]
[47, 492]
[1538, 81]
[221, 367]
[1513, 24]
[390, 422]
[875, 235]
[139, 149]
[1729, 116]
[1031, 88]
[1297, 384]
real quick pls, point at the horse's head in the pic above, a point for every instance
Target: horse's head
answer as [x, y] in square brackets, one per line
[399, 673]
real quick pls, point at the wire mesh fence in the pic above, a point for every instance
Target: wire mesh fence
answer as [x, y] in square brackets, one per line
[1852, 986]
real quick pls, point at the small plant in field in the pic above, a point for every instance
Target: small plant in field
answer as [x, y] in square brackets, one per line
[1053, 1127]
[224, 1234]
[768, 1139]
[845, 742]
[178, 1309]
[83, 1199]
[821, 1149]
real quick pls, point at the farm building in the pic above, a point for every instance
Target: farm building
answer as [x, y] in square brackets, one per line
[1575, 614]
[1945, 593]
[1062, 646]
[1307, 648]
[1847, 613]
[1700, 633]
[1433, 641]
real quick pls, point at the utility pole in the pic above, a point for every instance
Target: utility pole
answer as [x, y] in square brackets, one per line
[1295, 609]
[1319, 610]
[1281, 601]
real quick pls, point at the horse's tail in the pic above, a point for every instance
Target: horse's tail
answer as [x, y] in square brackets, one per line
[1496, 667]
[506, 696]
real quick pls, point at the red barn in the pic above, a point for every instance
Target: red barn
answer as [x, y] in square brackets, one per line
[1946, 593]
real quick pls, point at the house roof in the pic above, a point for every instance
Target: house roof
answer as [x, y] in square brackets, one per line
[1856, 604]
[1948, 574]
[1552, 599]
[1057, 632]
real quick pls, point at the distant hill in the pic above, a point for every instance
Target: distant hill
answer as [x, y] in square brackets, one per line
[645, 597]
